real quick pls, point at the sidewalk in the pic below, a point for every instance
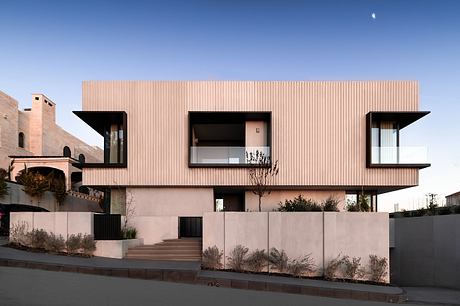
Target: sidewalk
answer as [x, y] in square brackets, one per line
[430, 295]
[190, 272]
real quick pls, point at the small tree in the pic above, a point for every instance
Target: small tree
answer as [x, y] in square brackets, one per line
[261, 175]
[34, 184]
[431, 203]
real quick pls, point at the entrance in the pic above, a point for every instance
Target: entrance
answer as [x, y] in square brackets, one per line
[190, 227]
[229, 200]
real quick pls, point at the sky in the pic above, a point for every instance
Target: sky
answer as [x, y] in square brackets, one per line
[50, 47]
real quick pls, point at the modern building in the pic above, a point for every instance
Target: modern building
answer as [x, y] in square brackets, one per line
[453, 199]
[31, 138]
[176, 149]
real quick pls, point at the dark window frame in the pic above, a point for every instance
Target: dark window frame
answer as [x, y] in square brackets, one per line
[227, 117]
[100, 121]
[21, 140]
[402, 119]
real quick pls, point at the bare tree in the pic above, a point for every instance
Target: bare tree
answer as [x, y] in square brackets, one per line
[261, 174]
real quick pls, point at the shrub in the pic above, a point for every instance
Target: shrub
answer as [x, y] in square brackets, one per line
[352, 267]
[237, 258]
[278, 259]
[54, 243]
[330, 204]
[444, 210]
[73, 243]
[299, 204]
[3, 187]
[129, 233]
[377, 268]
[38, 238]
[58, 187]
[300, 266]
[212, 258]
[457, 209]
[18, 233]
[332, 268]
[257, 260]
[88, 245]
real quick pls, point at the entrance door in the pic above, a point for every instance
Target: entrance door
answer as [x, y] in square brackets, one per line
[229, 200]
[190, 227]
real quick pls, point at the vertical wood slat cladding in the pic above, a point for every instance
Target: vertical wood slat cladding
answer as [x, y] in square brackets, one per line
[318, 129]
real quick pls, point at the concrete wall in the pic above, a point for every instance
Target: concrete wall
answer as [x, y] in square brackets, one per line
[115, 248]
[271, 201]
[16, 195]
[156, 211]
[426, 251]
[323, 235]
[59, 223]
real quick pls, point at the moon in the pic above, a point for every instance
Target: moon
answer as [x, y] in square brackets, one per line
[373, 16]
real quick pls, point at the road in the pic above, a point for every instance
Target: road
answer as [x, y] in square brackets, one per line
[20, 286]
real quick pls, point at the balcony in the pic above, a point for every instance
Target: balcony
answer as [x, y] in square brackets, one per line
[416, 157]
[223, 156]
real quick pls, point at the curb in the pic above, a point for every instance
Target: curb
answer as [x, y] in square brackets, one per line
[194, 277]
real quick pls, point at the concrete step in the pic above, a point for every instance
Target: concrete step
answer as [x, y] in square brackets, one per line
[171, 249]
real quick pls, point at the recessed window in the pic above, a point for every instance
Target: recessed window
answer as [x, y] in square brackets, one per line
[66, 152]
[21, 139]
[37, 98]
[81, 158]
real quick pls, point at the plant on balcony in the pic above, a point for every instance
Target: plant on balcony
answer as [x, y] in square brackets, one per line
[35, 184]
[57, 186]
[299, 204]
[261, 174]
[3, 185]
[237, 258]
[330, 204]
[212, 258]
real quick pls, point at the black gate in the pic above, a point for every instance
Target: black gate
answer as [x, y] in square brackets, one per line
[107, 227]
[190, 227]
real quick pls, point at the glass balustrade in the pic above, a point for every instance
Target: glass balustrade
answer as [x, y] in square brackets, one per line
[224, 155]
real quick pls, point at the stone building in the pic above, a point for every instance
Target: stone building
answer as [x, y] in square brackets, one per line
[32, 138]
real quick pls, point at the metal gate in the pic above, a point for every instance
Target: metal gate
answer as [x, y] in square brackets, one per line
[190, 227]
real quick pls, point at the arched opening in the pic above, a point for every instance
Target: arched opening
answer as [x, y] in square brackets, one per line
[81, 158]
[66, 152]
[21, 140]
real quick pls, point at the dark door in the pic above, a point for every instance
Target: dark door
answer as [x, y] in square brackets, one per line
[190, 227]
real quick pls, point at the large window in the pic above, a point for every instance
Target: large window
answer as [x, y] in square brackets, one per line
[226, 139]
[383, 141]
[112, 126]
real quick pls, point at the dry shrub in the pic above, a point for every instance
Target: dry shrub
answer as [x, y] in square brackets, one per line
[212, 258]
[278, 260]
[352, 267]
[332, 268]
[237, 258]
[257, 260]
[73, 243]
[377, 268]
[18, 233]
[301, 266]
[38, 238]
[54, 243]
[88, 245]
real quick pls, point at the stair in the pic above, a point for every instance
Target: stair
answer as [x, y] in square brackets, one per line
[184, 249]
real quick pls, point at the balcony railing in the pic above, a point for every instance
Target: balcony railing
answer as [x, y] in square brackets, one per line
[224, 155]
[399, 155]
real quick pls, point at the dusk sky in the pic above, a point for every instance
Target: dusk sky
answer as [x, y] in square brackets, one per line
[50, 47]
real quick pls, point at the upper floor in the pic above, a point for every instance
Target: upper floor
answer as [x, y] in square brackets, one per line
[340, 134]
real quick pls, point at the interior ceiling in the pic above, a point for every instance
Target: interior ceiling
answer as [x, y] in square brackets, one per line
[219, 132]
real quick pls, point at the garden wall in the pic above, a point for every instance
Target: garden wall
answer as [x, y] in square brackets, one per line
[17, 196]
[59, 223]
[426, 251]
[323, 235]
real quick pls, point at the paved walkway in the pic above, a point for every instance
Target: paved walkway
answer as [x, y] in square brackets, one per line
[190, 272]
[432, 296]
